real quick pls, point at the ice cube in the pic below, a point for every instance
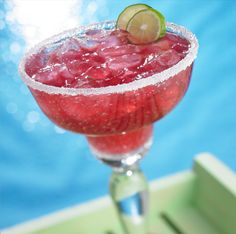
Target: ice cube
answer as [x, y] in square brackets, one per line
[119, 50]
[97, 33]
[180, 48]
[98, 72]
[78, 67]
[54, 59]
[55, 75]
[114, 40]
[151, 65]
[70, 44]
[169, 58]
[128, 76]
[35, 62]
[66, 75]
[70, 50]
[49, 75]
[94, 57]
[125, 61]
[176, 39]
[89, 45]
[92, 32]
[163, 44]
[179, 44]
[119, 33]
[153, 49]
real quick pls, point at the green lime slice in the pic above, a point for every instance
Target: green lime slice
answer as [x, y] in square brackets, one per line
[146, 26]
[128, 13]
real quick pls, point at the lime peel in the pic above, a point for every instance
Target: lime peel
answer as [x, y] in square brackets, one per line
[128, 13]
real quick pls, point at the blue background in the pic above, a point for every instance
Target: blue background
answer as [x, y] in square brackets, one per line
[43, 169]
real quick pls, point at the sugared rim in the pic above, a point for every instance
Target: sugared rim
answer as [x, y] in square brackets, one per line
[120, 88]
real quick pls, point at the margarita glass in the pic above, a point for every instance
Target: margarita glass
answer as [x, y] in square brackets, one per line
[116, 119]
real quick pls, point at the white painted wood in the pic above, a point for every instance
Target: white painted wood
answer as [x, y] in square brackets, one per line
[91, 206]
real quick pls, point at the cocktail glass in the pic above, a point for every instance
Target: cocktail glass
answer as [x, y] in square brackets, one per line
[117, 120]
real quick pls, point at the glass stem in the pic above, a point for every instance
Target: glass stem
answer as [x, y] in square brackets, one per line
[129, 192]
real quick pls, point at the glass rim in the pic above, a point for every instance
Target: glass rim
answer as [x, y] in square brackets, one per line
[119, 88]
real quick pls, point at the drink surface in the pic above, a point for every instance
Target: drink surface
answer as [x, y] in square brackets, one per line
[104, 58]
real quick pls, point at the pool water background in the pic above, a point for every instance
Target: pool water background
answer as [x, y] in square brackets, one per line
[43, 168]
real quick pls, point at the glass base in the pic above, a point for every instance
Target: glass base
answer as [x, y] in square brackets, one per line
[121, 161]
[129, 192]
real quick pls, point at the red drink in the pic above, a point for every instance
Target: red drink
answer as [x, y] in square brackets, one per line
[113, 108]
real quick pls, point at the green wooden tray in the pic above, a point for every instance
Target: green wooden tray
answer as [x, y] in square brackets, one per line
[201, 201]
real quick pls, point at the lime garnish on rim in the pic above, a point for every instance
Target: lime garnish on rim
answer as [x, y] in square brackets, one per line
[146, 26]
[128, 13]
